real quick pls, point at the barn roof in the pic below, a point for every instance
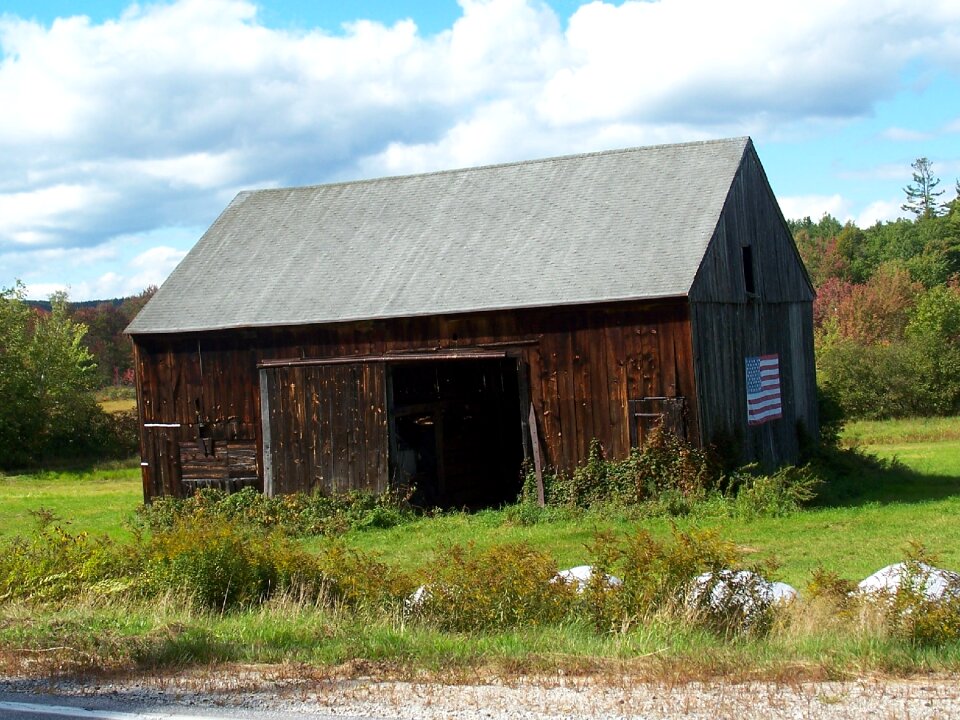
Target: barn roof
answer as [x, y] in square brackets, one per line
[619, 225]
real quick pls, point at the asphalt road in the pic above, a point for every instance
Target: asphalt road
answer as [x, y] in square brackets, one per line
[22, 706]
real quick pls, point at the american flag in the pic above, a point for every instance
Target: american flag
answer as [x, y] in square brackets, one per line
[763, 389]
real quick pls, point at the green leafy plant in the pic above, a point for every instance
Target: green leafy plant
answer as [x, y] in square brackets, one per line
[468, 589]
[296, 514]
[916, 616]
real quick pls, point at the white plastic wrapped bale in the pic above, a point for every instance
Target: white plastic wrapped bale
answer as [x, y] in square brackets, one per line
[581, 575]
[742, 593]
[934, 583]
[417, 599]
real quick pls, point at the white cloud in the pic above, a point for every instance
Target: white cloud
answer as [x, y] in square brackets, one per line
[906, 135]
[40, 215]
[155, 119]
[162, 259]
[814, 206]
[879, 211]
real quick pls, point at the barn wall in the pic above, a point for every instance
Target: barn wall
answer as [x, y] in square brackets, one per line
[584, 365]
[730, 324]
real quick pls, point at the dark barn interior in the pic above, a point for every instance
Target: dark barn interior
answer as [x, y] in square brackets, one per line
[456, 432]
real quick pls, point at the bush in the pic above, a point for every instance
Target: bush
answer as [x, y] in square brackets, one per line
[53, 564]
[358, 580]
[656, 574]
[218, 565]
[877, 381]
[665, 464]
[297, 514]
[503, 586]
[781, 493]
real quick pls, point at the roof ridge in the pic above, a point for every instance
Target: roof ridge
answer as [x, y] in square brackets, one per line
[496, 166]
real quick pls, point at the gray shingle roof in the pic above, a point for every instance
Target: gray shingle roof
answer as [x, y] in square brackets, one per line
[619, 225]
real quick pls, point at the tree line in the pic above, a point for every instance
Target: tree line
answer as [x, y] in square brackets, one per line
[887, 312]
[52, 361]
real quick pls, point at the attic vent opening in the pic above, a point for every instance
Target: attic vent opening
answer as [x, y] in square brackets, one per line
[748, 277]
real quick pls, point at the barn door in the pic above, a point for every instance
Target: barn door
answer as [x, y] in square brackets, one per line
[670, 413]
[324, 427]
[160, 460]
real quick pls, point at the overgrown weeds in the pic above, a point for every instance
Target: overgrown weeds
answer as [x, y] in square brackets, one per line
[669, 477]
[295, 514]
[221, 591]
[470, 589]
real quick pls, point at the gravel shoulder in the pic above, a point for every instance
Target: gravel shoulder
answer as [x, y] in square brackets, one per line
[297, 691]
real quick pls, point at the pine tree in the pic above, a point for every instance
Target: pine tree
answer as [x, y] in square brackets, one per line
[922, 192]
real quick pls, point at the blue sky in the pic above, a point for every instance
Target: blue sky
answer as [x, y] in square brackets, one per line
[127, 128]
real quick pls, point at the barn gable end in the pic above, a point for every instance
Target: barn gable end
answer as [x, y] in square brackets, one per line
[752, 297]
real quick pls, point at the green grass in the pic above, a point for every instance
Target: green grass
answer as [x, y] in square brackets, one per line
[97, 499]
[861, 523]
[908, 430]
[97, 636]
[115, 406]
[117, 398]
[852, 541]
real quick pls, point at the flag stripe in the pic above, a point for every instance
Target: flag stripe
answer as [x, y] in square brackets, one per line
[764, 402]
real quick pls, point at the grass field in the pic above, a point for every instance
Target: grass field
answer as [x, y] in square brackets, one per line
[98, 499]
[859, 526]
[854, 534]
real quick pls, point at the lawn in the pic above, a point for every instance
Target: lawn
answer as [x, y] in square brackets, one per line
[860, 525]
[855, 530]
[860, 530]
[98, 499]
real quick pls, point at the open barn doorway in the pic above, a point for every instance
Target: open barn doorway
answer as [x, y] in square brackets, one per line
[455, 431]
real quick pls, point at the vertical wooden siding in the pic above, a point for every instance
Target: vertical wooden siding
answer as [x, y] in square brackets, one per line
[584, 364]
[729, 325]
[328, 427]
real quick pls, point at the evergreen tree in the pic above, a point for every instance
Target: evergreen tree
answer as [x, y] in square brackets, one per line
[922, 192]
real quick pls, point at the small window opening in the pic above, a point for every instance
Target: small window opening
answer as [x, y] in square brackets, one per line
[646, 413]
[748, 281]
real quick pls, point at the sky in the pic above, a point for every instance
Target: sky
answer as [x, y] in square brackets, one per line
[125, 129]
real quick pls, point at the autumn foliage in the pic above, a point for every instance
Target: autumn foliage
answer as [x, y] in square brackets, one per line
[887, 313]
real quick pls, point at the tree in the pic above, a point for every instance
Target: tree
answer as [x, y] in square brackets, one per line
[922, 193]
[47, 376]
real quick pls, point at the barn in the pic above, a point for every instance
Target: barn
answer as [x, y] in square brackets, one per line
[438, 329]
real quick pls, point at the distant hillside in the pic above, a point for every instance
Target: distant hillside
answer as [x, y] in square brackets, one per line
[45, 304]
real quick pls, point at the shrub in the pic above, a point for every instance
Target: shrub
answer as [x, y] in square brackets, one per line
[503, 586]
[218, 565]
[297, 514]
[52, 564]
[665, 464]
[656, 574]
[359, 580]
[829, 586]
[781, 493]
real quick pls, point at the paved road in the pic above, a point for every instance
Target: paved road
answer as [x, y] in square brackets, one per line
[21, 706]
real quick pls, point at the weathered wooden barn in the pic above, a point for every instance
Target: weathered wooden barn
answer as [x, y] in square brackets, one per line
[439, 328]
